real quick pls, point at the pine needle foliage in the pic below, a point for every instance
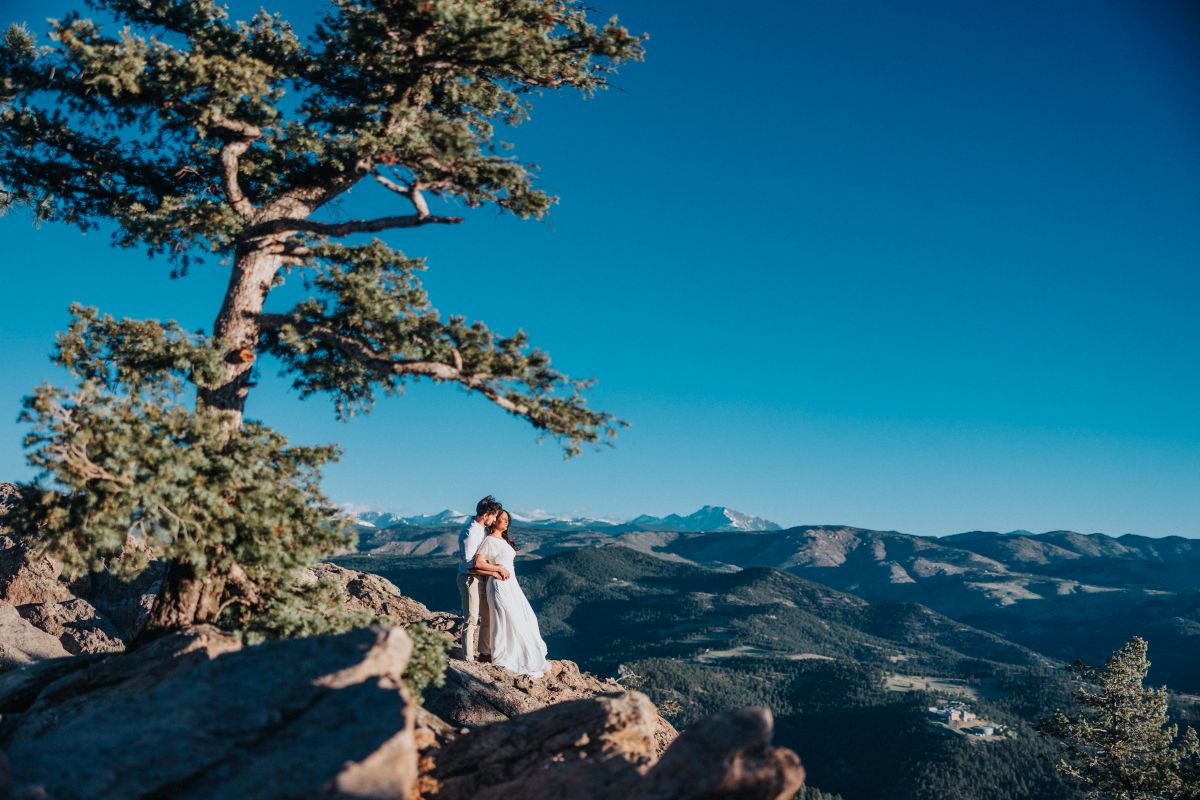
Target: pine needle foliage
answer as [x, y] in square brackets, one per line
[187, 133]
[1119, 745]
[429, 659]
[127, 455]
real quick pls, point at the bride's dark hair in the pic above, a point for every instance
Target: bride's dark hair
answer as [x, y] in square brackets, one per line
[504, 533]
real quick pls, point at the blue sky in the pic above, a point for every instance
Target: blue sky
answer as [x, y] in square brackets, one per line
[927, 267]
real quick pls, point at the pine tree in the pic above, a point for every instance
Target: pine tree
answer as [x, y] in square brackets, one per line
[1119, 745]
[186, 134]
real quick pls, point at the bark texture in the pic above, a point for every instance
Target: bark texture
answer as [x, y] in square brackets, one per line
[237, 327]
[185, 599]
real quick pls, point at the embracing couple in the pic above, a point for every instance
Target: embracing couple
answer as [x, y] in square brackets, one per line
[501, 627]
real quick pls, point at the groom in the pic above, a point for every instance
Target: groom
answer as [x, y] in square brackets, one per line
[472, 582]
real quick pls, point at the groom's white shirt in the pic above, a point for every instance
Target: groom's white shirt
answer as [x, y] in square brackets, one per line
[469, 539]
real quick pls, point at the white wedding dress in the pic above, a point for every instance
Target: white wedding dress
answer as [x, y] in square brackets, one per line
[516, 639]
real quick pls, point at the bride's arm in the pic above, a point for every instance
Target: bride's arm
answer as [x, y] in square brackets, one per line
[481, 566]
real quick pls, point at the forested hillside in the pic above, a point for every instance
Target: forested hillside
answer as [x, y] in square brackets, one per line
[833, 667]
[1063, 594]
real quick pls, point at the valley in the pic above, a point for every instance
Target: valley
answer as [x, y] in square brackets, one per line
[849, 635]
[821, 659]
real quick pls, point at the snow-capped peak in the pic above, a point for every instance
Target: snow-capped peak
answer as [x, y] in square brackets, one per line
[707, 518]
[386, 519]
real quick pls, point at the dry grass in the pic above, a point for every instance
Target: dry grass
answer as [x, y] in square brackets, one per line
[747, 650]
[925, 683]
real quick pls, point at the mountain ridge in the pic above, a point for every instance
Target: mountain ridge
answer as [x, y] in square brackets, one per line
[706, 518]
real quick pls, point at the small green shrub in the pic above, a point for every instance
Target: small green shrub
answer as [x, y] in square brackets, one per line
[430, 657]
[670, 708]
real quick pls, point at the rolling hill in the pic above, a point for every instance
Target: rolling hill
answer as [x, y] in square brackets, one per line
[1064, 594]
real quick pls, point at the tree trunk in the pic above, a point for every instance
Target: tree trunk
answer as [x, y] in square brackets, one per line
[184, 599]
[187, 598]
[237, 327]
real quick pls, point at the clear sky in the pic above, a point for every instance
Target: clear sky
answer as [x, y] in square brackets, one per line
[929, 267]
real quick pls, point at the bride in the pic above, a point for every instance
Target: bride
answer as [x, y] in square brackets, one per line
[516, 640]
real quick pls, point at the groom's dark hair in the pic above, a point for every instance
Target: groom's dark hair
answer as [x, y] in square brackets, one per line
[487, 505]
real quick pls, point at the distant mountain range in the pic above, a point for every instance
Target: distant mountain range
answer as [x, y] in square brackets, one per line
[708, 518]
[1067, 595]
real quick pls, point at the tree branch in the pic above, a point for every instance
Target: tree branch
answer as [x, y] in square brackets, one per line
[231, 152]
[346, 228]
[412, 192]
[353, 349]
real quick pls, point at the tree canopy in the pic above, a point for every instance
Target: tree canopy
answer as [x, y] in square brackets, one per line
[187, 133]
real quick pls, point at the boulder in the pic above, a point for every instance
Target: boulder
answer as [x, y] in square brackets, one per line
[77, 625]
[603, 748]
[26, 578]
[196, 715]
[726, 755]
[21, 643]
[478, 694]
[577, 749]
[372, 593]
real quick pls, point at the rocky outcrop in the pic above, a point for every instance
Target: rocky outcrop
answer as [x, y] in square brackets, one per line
[26, 578]
[574, 749]
[97, 613]
[77, 625]
[34, 588]
[603, 747]
[102, 613]
[479, 694]
[196, 716]
[372, 593]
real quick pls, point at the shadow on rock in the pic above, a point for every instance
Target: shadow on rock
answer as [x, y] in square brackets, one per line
[195, 715]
